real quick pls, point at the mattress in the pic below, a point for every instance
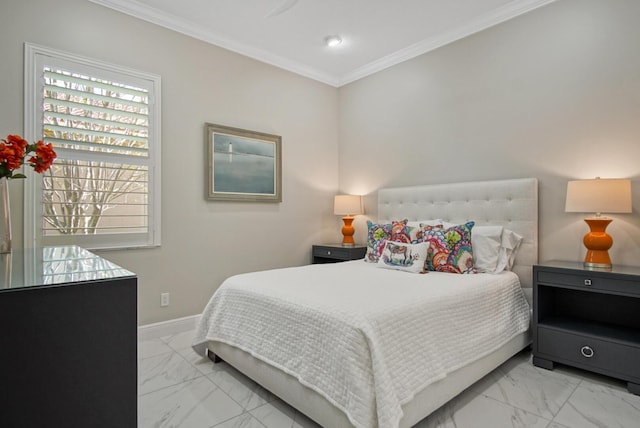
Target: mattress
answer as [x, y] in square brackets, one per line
[366, 339]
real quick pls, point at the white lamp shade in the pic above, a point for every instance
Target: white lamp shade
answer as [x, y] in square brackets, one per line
[599, 196]
[347, 205]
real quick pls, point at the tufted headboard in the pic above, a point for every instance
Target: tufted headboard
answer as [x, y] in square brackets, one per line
[512, 204]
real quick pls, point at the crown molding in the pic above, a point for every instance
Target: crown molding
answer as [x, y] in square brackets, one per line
[200, 32]
[495, 17]
[186, 27]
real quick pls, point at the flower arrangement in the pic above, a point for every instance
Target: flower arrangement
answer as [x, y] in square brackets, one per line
[13, 151]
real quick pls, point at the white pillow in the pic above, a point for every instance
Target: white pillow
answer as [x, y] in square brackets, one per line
[486, 242]
[404, 257]
[508, 249]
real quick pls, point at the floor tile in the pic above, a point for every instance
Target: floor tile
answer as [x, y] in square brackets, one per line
[162, 371]
[520, 384]
[193, 404]
[243, 390]
[152, 347]
[470, 410]
[596, 405]
[246, 420]
[179, 388]
[609, 382]
[181, 340]
[275, 414]
[203, 364]
[557, 425]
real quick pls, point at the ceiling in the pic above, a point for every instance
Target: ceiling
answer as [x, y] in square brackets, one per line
[290, 34]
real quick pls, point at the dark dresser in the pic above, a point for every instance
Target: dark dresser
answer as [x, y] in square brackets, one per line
[68, 341]
[588, 319]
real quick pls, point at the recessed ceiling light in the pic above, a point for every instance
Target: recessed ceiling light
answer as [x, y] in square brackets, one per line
[333, 41]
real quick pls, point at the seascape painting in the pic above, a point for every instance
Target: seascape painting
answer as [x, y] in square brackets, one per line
[241, 165]
[244, 165]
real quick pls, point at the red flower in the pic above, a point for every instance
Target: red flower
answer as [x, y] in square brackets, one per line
[17, 141]
[44, 157]
[12, 152]
[14, 149]
[8, 157]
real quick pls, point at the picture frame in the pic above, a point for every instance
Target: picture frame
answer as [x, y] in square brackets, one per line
[244, 165]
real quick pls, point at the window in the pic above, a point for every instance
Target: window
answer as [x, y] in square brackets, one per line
[103, 190]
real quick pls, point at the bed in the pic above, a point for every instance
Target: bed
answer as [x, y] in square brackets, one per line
[349, 344]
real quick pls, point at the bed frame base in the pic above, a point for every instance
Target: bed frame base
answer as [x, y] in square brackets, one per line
[213, 357]
[316, 407]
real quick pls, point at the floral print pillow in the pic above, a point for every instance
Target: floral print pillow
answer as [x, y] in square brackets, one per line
[450, 249]
[379, 234]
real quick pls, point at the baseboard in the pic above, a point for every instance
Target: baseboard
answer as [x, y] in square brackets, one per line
[167, 328]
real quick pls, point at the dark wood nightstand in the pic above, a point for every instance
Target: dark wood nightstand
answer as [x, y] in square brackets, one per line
[588, 319]
[332, 253]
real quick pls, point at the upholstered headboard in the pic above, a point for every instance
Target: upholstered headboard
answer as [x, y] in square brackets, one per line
[512, 204]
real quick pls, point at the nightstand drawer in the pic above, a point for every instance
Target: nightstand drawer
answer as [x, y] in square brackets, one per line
[331, 252]
[594, 281]
[589, 352]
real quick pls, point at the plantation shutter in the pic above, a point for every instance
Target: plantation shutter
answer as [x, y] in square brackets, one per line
[101, 125]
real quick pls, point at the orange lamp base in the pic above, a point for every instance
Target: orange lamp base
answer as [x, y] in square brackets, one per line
[598, 242]
[347, 231]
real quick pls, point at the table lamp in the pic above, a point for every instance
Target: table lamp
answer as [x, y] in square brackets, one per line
[598, 196]
[347, 206]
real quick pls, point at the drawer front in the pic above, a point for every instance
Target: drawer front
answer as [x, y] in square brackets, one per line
[331, 252]
[612, 358]
[591, 282]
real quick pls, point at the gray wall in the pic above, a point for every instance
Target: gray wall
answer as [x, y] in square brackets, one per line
[202, 242]
[553, 94]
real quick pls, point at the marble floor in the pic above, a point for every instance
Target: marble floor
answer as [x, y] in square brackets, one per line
[177, 388]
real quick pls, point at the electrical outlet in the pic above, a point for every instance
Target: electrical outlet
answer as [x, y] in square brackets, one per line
[164, 299]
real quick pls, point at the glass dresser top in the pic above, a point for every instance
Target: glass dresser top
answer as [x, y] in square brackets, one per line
[31, 267]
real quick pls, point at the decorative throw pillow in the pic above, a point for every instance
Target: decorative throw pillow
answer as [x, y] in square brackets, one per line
[379, 234]
[450, 250]
[435, 222]
[417, 232]
[400, 232]
[404, 257]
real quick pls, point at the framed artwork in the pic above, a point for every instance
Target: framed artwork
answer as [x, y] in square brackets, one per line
[244, 165]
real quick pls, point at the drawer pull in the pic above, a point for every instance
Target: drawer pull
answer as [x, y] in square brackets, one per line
[586, 351]
[328, 253]
[587, 282]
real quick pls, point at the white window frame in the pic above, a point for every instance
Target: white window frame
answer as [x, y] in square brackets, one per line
[35, 56]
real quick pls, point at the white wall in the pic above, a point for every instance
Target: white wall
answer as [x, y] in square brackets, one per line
[202, 242]
[553, 94]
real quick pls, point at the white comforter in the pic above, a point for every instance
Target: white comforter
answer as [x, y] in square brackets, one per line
[367, 339]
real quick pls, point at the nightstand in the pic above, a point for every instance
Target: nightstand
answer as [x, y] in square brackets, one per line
[588, 319]
[332, 253]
